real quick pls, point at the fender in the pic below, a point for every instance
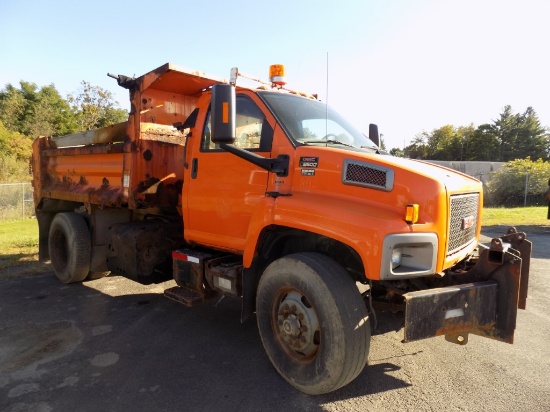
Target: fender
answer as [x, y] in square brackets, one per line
[357, 225]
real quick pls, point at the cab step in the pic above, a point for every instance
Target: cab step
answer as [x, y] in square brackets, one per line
[188, 297]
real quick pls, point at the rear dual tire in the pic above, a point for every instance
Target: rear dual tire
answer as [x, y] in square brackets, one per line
[70, 247]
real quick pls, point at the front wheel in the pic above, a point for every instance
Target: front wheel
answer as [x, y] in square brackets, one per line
[313, 322]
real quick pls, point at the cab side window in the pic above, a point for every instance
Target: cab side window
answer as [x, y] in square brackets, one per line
[252, 130]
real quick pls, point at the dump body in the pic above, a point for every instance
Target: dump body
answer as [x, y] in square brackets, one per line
[137, 164]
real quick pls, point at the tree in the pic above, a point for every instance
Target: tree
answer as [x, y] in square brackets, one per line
[15, 150]
[12, 107]
[461, 141]
[449, 142]
[439, 143]
[483, 145]
[95, 107]
[506, 129]
[521, 135]
[397, 152]
[532, 139]
[511, 136]
[418, 149]
[516, 178]
[14, 144]
[36, 112]
[29, 111]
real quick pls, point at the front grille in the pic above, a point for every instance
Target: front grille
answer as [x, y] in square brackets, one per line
[463, 224]
[369, 175]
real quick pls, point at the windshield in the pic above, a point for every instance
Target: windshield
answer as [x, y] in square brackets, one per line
[309, 121]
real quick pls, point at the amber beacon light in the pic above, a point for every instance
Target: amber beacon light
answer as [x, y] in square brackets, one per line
[277, 74]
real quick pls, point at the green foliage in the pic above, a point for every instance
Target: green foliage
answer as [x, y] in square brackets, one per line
[382, 143]
[29, 111]
[448, 142]
[511, 136]
[14, 144]
[15, 151]
[95, 107]
[12, 107]
[483, 144]
[13, 170]
[418, 149]
[35, 112]
[397, 152]
[516, 179]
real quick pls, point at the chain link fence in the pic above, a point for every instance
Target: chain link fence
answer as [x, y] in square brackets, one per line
[16, 201]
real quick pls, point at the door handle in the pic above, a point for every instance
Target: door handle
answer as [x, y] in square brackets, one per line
[194, 168]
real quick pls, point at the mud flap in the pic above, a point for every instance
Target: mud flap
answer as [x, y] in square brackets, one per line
[486, 306]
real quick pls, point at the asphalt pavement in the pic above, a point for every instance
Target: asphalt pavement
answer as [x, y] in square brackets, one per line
[114, 345]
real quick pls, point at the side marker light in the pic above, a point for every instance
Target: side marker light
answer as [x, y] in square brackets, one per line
[411, 214]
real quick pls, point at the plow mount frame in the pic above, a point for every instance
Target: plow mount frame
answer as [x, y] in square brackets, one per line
[482, 300]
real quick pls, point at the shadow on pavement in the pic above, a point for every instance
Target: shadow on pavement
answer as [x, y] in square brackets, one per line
[76, 346]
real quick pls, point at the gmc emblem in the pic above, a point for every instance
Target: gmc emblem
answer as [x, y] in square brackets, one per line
[468, 222]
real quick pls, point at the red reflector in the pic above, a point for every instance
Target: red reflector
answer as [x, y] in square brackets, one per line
[186, 258]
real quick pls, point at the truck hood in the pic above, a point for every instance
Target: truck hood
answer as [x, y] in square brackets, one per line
[453, 180]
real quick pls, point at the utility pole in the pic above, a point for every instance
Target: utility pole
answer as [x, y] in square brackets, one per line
[526, 188]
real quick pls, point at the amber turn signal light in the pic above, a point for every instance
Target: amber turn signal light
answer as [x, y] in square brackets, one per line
[411, 214]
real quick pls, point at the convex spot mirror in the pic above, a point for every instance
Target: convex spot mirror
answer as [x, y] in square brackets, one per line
[373, 134]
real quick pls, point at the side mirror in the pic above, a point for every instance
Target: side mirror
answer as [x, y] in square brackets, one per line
[373, 134]
[223, 109]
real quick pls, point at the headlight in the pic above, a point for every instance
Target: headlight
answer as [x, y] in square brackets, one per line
[396, 257]
[408, 255]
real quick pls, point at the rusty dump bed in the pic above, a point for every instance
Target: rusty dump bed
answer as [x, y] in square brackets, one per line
[139, 163]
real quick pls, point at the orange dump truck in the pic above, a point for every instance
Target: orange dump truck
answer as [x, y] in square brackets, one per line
[270, 196]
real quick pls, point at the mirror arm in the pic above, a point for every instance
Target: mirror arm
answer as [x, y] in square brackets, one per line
[278, 165]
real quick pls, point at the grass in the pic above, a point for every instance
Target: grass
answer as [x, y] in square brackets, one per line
[19, 248]
[19, 238]
[528, 219]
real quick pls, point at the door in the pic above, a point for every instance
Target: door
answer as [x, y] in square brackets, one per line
[223, 189]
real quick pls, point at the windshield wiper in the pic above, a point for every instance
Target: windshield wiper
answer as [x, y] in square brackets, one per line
[331, 141]
[375, 150]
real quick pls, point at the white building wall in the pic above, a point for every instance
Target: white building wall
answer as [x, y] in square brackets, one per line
[479, 170]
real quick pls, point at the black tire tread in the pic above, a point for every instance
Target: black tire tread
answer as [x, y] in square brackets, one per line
[340, 293]
[78, 244]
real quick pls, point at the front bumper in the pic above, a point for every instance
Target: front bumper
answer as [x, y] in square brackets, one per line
[482, 300]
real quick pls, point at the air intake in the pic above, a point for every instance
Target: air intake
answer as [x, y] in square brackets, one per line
[367, 175]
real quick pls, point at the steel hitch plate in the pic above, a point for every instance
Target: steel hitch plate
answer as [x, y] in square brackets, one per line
[484, 301]
[453, 310]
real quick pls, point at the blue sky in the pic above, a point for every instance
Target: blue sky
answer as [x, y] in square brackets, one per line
[409, 66]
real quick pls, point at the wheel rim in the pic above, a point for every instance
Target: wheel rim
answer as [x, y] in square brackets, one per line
[296, 325]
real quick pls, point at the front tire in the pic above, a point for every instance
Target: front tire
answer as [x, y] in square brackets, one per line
[313, 322]
[70, 247]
